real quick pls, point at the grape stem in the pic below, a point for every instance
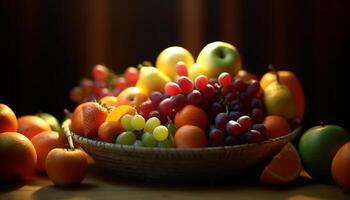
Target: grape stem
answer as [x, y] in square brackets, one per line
[274, 70]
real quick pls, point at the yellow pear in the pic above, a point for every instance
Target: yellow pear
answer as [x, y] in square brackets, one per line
[151, 79]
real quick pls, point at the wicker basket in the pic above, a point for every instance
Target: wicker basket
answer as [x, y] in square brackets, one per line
[178, 164]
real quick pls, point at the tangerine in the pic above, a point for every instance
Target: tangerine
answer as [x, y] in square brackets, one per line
[43, 143]
[340, 166]
[284, 167]
[189, 136]
[30, 125]
[17, 156]
[276, 126]
[8, 120]
[191, 115]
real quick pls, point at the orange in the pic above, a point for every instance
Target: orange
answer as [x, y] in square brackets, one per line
[87, 118]
[17, 156]
[109, 100]
[31, 125]
[8, 120]
[276, 126]
[189, 136]
[118, 112]
[284, 167]
[66, 167]
[341, 165]
[108, 131]
[191, 115]
[43, 143]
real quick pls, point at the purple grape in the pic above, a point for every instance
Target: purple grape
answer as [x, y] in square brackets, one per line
[230, 97]
[221, 120]
[229, 140]
[253, 89]
[233, 128]
[216, 137]
[261, 128]
[178, 101]
[234, 115]
[156, 97]
[252, 136]
[238, 85]
[194, 98]
[229, 89]
[256, 103]
[215, 109]
[257, 115]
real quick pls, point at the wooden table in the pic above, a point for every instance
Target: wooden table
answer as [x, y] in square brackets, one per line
[103, 186]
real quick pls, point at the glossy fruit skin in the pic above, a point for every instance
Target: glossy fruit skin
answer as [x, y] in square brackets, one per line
[317, 147]
[132, 96]
[17, 156]
[218, 57]
[151, 79]
[276, 126]
[109, 100]
[340, 167]
[189, 136]
[169, 57]
[276, 97]
[51, 120]
[289, 79]
[30, 125]
[108, 131]
[8, 120]
[43, 143]
[66, 167]
[191, 115]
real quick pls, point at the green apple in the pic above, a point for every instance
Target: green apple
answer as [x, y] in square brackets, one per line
[218, 57]
[169, 57]
[318, 146]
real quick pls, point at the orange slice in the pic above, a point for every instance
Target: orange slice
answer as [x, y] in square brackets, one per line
[117, 113]
[284, 167]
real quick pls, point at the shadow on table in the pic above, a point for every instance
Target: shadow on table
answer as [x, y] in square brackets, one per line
[57, 192]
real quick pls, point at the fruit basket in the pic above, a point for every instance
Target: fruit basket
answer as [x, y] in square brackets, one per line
[179, 164]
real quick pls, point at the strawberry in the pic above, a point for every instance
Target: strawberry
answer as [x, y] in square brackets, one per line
[87, 118]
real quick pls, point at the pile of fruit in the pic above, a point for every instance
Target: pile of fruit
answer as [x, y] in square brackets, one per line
[179, 103]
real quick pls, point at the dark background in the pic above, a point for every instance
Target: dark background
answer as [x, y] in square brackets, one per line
[46, 47]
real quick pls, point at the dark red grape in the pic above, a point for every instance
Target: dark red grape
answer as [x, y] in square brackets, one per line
[225, 79]
[132, 75]
[208, 91]
[221, 120]
[194, 98]
[165, 108]
[256, 103]
[246, 122]
[230, 140]
[257, 115]
[238, 85]
[261, 128]
[229, 89]
[213, 81]
[234, 115]
[252, 136]
[146, 107]
[177, 102]
[201, 81]
[204, 104]
[230, 97]
[253, 89]
[215, 108]
[185, 84]
[216, 137]
[156, 97]
[233, 128]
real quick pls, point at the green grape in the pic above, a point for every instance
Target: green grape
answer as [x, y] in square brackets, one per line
[160, 133]
[127, 138]
[138, 122]
[138, 143]
[151, 124]
[148, 140]
[126, 122]
[166, 144]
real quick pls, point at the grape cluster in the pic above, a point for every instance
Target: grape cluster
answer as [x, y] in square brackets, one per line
[150, 133]
[104, 83]
[233, 106]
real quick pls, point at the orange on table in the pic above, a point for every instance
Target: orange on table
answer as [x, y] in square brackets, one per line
[109, 100]
[43, 143]
[189, 136]
[30, 125]
[17, 156]
[8, 120]
[109, 130]
[191, 115]
[118, 112]
[341, 166]
[87, 118]
[276, 126]
[66, 167]
[284, 167]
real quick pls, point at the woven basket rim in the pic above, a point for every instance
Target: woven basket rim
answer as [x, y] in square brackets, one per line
[112, 146]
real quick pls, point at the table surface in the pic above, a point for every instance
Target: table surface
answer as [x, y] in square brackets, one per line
[103, 186]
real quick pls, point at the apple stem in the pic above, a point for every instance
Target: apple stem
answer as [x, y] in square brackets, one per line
[273, 69]
[70, 141]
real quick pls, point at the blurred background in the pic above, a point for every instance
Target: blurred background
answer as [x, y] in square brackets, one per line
[48, 46]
